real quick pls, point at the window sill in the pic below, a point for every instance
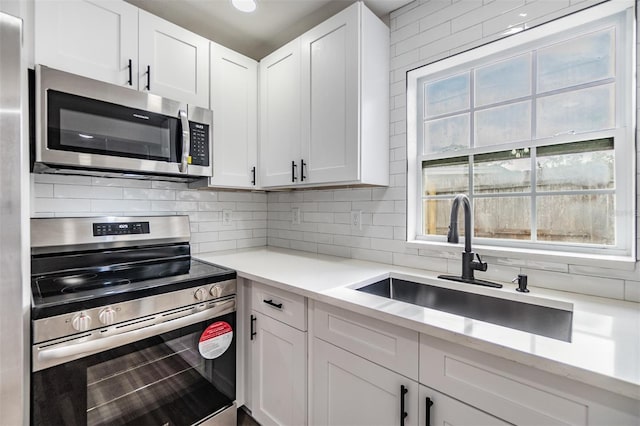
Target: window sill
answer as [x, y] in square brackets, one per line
[626, 263]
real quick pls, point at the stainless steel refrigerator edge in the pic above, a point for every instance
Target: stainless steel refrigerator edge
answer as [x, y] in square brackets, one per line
[14, 231]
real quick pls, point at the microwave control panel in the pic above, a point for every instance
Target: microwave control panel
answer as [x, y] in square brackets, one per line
[199, 150]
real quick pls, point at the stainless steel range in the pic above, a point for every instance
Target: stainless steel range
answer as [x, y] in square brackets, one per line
[127, 328]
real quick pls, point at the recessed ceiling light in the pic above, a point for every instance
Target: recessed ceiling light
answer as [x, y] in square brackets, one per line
[244, 5]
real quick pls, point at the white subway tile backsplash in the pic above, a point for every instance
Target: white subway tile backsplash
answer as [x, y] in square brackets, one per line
[389, 219]
[595, 286]
[317, 196]
[331, 250]
[318, 217]
[252, 242]
[83, 191]
[63, 179]
[405, 32]
[404, 17]
[491, 10]
[217, 246]
[372, 255]
[125, 206]
[352, 195]
[147, 194]
[304, 246]
[195, 195]
[161, 184]
[125, 183]
[184, 206]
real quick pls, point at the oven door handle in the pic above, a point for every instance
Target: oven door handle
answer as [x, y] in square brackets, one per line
[46, 358]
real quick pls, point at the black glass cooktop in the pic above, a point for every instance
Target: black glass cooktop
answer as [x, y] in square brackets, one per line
[98, 279]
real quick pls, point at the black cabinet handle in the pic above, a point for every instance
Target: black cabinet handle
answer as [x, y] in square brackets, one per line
[275, 305]
[293, 171]
[253, 175]
[403, 414]
[427, 413]
[302, 164]
[253, 320]
[148, 87]
[130, 66]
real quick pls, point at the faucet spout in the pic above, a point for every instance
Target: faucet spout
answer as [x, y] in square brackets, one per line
[469, 265]
[452, 235]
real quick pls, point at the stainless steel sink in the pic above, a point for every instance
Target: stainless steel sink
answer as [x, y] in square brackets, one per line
[541, 320]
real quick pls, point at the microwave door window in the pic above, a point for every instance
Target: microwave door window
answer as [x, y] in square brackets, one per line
[85, 125]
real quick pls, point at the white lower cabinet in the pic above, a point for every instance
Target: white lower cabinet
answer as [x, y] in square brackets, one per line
[349, 390]
[437, 409]
[278, 357]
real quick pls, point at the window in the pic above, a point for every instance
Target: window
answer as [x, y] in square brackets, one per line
[538, 129]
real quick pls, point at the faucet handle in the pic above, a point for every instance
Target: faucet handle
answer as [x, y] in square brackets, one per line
[480, 266]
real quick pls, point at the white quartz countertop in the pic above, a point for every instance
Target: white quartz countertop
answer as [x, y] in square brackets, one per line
[604, 350]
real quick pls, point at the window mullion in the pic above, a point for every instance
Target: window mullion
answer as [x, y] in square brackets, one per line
[533, 151]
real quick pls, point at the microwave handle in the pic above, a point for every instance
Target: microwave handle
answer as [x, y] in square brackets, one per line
[186, 141]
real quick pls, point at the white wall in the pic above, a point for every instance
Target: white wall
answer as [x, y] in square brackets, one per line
[55, 195]
[422, 32]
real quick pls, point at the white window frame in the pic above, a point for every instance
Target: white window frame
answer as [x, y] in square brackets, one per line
[624, 253]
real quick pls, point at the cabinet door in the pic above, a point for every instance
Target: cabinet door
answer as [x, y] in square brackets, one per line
[279, 373]
[174, 62]
[330, 92]
[92, 38]
[349, 390]
[234, 101]
[280, 116]
[445, 411]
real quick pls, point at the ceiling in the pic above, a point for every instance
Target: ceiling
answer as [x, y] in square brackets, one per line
[256, 34]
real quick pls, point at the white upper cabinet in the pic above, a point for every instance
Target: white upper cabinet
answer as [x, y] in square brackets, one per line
[95, 39]
[330, 98]
[280, 116]
[234, 101]
[174, 62]
[343, 105]
[116, 42]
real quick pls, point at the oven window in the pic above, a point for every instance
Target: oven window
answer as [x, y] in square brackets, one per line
[163, 380]
[80, 124]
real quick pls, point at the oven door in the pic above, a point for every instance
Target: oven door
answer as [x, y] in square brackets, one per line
[181, 377]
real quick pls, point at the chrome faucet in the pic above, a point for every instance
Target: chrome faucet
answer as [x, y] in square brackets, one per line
[468, 263]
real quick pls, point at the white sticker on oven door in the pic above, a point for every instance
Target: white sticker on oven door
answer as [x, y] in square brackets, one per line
[215, 340]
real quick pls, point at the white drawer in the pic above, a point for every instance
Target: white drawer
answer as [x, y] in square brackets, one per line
[281, 305]
[393, 347]
[490, 383]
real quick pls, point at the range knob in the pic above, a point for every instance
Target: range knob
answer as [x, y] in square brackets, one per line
[216, 291]
[81, 322]
[200, 294]
[107, 316]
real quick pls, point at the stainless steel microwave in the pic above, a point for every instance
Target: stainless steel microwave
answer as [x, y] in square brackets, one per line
[89, 127]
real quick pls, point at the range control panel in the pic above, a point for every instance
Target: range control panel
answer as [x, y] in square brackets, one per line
[199, 144]
[120, 228]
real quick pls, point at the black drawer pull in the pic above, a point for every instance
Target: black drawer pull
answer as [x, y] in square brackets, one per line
[130, 66]
[293, 171]
[148, 87]
[427, 413]
[403, 414]
[253, 175]
[275, 305]
[302, 176]
[253, 320]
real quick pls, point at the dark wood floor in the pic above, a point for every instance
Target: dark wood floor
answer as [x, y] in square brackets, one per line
[244, 419]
